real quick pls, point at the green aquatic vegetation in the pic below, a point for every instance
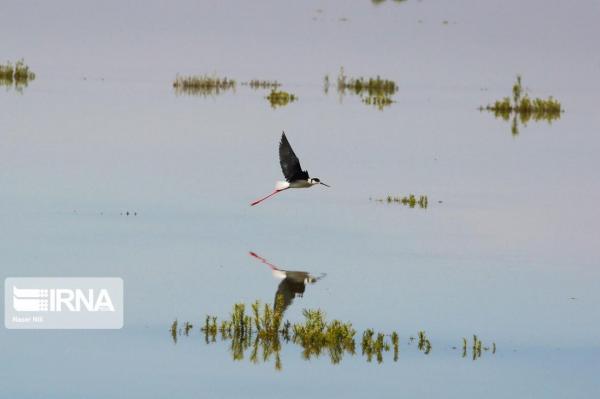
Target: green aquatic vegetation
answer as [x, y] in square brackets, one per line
[477, 347]
[396, 344]
[379, 101]
[262, 84]
[203, 85]
[372, 91]
[522, 109]
[326, 84]
[18, 75]
[174, 331]
[424, 344]
[280, 98]
[210, 328]
[411, 200]
[187, 327]
[371, 86]
[316, 334]
[262, 332]
[375, 346]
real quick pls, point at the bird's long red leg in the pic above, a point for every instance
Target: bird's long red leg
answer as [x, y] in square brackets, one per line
[263, 260]
[268, 196]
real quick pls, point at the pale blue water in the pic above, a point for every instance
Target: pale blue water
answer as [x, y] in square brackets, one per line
[513, 240]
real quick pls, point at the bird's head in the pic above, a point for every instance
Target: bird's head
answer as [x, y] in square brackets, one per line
[316, 180]
[310, 280]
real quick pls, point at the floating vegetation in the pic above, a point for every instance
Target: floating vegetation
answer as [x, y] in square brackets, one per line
[373, 91]
[187, 327]
[280, 98]
[522, 109]
[261, 332]
[202, 85]
[410, 200]
[18, 75]
[174, 331]
[424, 343]
[476, 348]
[262, 84]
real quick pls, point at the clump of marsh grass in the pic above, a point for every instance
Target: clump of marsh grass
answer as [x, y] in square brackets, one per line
[411, 200]
[18, 75]
[174, 331]
[280, 98]
[523, 109]
[262, 332]
[395, 343]
[375, 345]
[203, 85]
[187, 327]
[316, 334]
[372, 91]
[476, 347]
[210, 328]
[424, 343]
[262, 84]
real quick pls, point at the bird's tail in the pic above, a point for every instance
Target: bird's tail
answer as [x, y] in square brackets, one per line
[281, 185]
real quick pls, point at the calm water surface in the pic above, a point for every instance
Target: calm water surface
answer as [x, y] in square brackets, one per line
[511, 253]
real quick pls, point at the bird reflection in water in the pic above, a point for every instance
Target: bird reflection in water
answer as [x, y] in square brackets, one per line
[292, 285]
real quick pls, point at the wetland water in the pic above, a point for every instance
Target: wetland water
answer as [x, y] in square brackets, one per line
[510, 254]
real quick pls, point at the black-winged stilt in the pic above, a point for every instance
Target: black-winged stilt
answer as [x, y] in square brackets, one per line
[293, 283]
[292, 171]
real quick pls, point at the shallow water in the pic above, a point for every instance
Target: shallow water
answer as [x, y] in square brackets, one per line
[101, 132]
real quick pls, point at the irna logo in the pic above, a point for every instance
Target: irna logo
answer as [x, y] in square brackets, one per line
[61, 299]
[63, 303]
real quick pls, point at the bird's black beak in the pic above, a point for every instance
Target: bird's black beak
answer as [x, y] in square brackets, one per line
[326, 185]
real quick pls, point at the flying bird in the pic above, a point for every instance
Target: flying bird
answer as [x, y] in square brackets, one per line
[292, 285]
[292, 171]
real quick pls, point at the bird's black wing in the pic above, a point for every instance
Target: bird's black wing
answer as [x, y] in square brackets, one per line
[290, 164]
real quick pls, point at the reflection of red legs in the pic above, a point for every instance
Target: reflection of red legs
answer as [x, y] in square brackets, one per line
[268, 196]
[263, 260]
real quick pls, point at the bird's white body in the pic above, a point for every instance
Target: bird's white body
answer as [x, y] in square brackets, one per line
[282, 185]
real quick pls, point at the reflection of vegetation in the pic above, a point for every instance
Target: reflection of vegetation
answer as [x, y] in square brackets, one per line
[378, 2]
[262, 84]
[411, 200]
[316, 334]
[376, 346]
[424, 343]
[262, 331]
[280, 98]
[187, 327]
[174, 331]
[203, 85]
[476, 348]
[20, 75]
[373, 91]
[522, 108]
